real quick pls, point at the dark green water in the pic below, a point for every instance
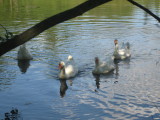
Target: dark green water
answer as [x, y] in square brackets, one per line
[130, 93]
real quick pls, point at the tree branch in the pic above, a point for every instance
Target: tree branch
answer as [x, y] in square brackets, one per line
[47, 23]
[145, 9]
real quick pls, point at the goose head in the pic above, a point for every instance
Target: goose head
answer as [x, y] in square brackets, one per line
[70, 57]
[96, 61]
[62, 73]
[116, 42]
[61, 65]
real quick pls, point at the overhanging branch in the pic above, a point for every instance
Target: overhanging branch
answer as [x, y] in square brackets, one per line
[145, 9]
[47, 23]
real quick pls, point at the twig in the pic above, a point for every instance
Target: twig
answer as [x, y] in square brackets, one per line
[4, 28]
[8, 34]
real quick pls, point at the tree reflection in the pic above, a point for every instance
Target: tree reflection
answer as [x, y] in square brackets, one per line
[6, 77]
[23, 65]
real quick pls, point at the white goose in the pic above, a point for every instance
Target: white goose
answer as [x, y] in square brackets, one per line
[68, 69]
[103, 67]
[122, 53]
[23, 53]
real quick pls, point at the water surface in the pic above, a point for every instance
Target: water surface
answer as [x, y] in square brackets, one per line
[130, 93]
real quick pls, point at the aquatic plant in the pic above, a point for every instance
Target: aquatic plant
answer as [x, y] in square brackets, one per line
[12, 115]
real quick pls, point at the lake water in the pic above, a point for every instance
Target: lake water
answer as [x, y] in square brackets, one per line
[130, 93]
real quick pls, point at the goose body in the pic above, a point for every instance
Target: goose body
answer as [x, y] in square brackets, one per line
[68, 69]
[123, 52]
[103, 67]
[23, 53]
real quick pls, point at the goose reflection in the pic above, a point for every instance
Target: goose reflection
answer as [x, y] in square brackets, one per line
[23, 65]
[116, 62]
[116, 69]
[97, 79]
[63, 87]
[103, 76]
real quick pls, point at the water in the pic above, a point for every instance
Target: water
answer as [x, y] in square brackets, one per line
[130, 93]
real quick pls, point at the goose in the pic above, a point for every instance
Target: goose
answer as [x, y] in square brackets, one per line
[23, 53]
[68, 69]
[70, 60]
[103, 67]
[123, 52]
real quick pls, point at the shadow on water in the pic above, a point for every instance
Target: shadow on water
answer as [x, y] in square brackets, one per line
[23, 65]
[12, 115]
